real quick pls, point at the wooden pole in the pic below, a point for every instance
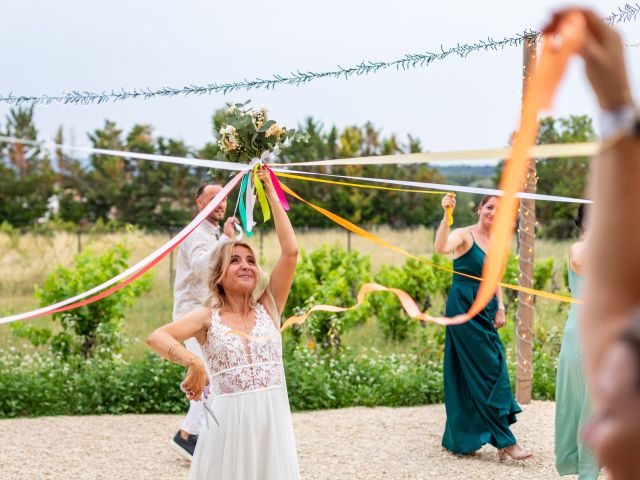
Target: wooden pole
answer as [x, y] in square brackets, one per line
[526, 236]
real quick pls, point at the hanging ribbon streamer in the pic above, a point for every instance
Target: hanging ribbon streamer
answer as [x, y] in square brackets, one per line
[543, 151]
[538, 95]
[276, 185]
[132, 273]
[284, 174]
[264, 205]
[407, 302]
[441, 188]
[538, 151]
[241, 204]
[359, 185]
[249, 200]
[408, 305]
[343, 222]
[195, 162]
[252, 180]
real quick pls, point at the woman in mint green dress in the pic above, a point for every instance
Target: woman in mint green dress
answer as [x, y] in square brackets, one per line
[477, 392]
[572, 403]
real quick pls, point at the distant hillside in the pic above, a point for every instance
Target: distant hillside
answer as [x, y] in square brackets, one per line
[468, 175]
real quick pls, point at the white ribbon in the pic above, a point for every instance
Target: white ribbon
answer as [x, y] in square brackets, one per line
[142, 263]
[196, 162]
[439, 186]
[537, 151]
[249, 201]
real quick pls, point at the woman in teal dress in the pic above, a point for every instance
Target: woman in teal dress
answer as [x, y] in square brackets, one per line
[477, 392]
[573, 408]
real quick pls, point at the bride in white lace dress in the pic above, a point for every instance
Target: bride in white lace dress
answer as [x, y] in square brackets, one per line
[240, 338]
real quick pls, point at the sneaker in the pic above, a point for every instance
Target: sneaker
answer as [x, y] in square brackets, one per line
[183, 447]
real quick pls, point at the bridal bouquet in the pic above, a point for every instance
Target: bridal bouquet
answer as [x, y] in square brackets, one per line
[247, 134]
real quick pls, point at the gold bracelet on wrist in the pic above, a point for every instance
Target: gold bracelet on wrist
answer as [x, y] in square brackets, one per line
[171, 349]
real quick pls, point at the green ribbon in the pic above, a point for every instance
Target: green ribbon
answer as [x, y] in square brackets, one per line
[241, 206]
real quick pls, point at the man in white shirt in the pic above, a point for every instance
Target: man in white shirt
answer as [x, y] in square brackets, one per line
[190, 291]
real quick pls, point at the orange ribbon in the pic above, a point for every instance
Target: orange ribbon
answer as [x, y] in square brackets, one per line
[556, 51]
[408, 304]
[361, 232]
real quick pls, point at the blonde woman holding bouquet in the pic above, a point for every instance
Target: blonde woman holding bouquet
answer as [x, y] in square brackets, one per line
[254, 439]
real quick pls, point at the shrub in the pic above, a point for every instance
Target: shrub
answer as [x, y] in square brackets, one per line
[95, 328]
[329, 275]
[424, 283]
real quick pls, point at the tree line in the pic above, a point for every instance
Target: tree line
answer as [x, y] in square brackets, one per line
[38, 186]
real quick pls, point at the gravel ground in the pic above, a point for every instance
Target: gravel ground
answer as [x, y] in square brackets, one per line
[352, 443]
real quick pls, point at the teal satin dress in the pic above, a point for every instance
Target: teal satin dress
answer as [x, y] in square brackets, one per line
[572, 401]
[477, 391]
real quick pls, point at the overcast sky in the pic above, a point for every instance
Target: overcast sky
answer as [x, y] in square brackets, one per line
[53, 47]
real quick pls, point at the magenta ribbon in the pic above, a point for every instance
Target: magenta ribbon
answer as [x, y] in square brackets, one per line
[278, 188]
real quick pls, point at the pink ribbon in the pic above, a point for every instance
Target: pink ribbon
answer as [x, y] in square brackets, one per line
[278, 188]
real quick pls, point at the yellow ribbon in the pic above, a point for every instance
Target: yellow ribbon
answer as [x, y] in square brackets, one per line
[408, 304]
[358, 185]
[538, 94]
[262, 198]
[450, 210]
[375, 187]
[374, 238]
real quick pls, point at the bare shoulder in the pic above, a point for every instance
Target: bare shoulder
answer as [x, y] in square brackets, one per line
[200, 316]
[576, 249]
[576, 256]
[464, 234]
[269, 304]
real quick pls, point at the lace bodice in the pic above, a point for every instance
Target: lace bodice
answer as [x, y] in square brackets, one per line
[237, 365]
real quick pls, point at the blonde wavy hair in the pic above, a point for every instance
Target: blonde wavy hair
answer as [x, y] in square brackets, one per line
[219, 264]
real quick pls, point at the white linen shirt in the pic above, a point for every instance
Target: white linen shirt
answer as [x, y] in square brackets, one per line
[190, 289]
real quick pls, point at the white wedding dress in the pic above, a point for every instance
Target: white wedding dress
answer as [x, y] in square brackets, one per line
[255, 439]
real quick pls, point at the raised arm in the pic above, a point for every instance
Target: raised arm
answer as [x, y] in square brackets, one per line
[167, 340]
[446, 241]
[612, 260]
[285, 267]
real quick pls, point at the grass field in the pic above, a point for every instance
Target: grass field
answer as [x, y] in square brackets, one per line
[25, 261]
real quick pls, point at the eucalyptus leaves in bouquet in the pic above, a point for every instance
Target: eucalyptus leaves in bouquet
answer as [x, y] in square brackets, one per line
[247, 134]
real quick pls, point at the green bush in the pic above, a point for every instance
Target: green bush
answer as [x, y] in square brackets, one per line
[427, 285]
[94, 329]
[320, 379]
[542, 273]
[329, 275]
[45, 384]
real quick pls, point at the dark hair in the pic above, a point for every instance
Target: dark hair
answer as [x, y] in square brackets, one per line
[581, 217]
[201, 188]
[631, 337]
[484, 201]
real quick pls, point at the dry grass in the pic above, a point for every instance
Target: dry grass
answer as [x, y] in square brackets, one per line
[26, 260]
